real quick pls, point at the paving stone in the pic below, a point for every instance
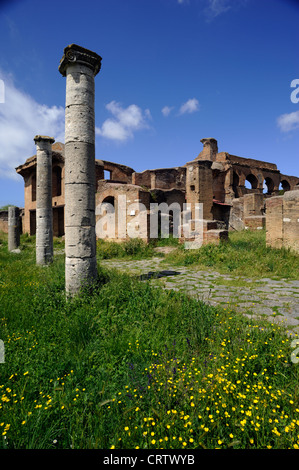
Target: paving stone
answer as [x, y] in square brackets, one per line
[265, 289]
[294, 283]
[255, 301]
[283, 292]
[290, 300]
[286, 320]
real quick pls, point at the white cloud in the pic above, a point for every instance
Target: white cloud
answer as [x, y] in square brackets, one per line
[167, 110]
[190, 106]
[217, 7]
[288, 122]
[213, 8]
[124, 123]
[21, 118]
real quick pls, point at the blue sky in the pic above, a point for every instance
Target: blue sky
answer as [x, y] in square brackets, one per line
[173, 72]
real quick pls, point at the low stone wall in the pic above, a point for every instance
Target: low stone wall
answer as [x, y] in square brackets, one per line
[4, 221]
[282, 221]
[255, 222]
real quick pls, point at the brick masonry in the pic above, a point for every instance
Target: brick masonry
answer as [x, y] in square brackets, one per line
[219, 180]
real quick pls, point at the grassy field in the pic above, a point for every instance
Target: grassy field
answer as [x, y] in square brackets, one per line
[132, 366]
[244, 254]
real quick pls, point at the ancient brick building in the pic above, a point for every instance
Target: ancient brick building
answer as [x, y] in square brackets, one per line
[232, 189]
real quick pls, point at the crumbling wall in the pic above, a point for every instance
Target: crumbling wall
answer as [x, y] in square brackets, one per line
[199, 186]
[162, 178]
[28, 172]
[216, 179]
[4, 221]
[282, 221]
[122, 211]
[236, 215]
[254, 211]
[117, 172]
[274, 224]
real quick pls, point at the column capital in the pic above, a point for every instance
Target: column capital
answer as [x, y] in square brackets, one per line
[45, 138]
[74, 54]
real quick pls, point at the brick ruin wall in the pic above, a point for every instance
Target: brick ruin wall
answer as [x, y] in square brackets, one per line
[4, 221]
[282, 221]
[218, 180]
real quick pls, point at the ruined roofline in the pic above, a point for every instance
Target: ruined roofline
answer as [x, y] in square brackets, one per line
[57, 152]
[31, 162]
[117, 184]
[118, 165]
[161, 169]
[295, 178]
[58, 155]
[251, 162]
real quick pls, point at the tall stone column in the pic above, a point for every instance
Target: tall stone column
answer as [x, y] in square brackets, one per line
[13, 228]
[79, 66]
[44, 214]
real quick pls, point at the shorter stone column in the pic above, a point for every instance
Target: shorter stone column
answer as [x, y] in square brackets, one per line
[13, 228]
[44, 214]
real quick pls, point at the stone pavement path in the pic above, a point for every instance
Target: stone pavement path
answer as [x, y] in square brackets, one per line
[277, 300]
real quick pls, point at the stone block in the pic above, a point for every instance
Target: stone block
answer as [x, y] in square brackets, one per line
[80, 166]
[79, 272]
[255, 222]
[274, 223]
[80, 205]
[80, 242]
[79, 124]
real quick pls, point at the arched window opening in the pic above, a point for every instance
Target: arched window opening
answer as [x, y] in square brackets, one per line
[284, 186]
[109, 200]
[251, 182]
[108, 205]
[268, 186]
[106, 223]
[107, 174]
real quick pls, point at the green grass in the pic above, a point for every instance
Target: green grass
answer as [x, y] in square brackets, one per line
[131, 365]
[244, 254]
[131, 249]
